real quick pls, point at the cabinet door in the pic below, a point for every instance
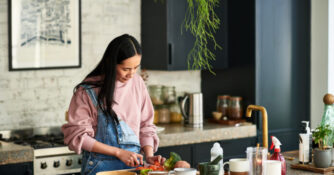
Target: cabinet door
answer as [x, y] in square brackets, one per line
[179, 44]
[185, 151]
[231, 149]
[19, 168]
[165, 47]
[154, 35]
[283, 66]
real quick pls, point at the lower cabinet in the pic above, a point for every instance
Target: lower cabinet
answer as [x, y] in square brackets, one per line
[25, 168]
[200, 152]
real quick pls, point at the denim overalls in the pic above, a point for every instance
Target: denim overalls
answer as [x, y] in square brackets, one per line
[108, 132]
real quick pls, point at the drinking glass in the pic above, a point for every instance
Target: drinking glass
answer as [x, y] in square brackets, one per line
[256, 156]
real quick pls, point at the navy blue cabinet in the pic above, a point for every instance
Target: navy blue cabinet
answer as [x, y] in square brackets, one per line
[283, 66]
[276, 74]
[164, 46]
[25, 168]
[200, 152]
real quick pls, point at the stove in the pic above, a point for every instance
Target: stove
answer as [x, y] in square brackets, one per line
[51, 155]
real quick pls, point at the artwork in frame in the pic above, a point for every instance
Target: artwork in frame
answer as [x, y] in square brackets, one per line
[44, 34]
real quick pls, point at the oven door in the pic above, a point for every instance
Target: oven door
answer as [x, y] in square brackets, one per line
[56, 161]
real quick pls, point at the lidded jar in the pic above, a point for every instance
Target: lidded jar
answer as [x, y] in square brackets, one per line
[156, 114]
[164, 114]
[222, 104]
[168, 94]
[235, 108]
[175, 113]
[156, 94]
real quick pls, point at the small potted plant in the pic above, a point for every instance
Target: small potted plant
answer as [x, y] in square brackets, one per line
[322, 155]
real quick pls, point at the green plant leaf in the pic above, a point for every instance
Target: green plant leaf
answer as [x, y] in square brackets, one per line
[202, 22]
[320, 136]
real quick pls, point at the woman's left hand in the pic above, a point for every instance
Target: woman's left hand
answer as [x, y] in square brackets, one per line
[153, 159]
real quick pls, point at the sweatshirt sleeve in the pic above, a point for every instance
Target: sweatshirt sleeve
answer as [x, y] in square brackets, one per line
[80, 130]
[148, 135]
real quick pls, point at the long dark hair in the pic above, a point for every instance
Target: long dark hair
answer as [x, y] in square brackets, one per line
[119, 49]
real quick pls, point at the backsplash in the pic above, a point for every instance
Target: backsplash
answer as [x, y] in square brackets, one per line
[40, 98]
[184, 81]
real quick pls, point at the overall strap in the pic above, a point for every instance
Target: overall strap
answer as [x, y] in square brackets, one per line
[91, 94]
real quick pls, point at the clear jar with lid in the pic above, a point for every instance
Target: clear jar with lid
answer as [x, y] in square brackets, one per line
[222, 104]
[235, 108]
[156, 114]
[175, 113]
[168, 94]
[164, 114]
[156, 94]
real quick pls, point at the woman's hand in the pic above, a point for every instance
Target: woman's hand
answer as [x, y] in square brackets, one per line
[153, 159]
[130, 158]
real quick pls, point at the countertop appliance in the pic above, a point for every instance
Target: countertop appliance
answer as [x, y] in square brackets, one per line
[51, 155]
[193, 110]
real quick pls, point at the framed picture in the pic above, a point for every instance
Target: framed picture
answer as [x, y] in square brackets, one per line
[44, 34]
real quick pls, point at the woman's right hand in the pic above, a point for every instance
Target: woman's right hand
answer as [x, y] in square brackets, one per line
[130, 158]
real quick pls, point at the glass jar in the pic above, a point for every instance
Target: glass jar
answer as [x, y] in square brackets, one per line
[235, 108]
[222, 104]
[168, 94]
[156, 114]
[175, 113]
[156, 94]
[164, 114]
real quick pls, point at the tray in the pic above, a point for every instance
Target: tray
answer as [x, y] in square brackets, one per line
[311, 167]
[226, 122]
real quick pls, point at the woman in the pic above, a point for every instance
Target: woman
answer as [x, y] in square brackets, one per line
[110, 116]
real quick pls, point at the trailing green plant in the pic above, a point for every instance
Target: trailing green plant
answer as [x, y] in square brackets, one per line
[320, 136]
[202, 22]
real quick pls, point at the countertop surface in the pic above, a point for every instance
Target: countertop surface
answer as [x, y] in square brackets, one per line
[13, 153]
[178, 134]
[291, 171]
[172, 135]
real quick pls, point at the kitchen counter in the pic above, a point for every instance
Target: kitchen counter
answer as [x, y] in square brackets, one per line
[290, 171]
[178, 134]
[172, 135]
[13, 153]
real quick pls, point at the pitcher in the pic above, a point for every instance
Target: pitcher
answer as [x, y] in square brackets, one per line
[192, 109]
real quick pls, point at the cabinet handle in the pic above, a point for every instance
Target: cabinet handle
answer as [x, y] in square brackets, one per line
[170, 52]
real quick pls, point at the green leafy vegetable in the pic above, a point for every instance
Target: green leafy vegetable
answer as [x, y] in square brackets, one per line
[145, 171]
[170, 162]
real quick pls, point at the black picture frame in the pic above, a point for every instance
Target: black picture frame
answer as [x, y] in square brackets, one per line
[44, 35]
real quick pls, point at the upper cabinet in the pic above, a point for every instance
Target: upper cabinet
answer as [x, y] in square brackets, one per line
[164, 46]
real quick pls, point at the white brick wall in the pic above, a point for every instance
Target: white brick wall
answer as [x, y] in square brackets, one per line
[40, 98]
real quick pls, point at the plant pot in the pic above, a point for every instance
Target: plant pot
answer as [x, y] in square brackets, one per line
[332, 156]
[322, 158]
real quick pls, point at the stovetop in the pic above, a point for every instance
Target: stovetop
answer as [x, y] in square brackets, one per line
[51, 155]
[38, 141]
[37, 137]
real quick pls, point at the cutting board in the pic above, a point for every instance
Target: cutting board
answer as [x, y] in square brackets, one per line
[120, 172]
[124, 172]
[311, 167]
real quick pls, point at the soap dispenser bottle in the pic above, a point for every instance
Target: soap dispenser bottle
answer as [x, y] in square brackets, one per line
[305, 144]
[277, 153]
[216, 151]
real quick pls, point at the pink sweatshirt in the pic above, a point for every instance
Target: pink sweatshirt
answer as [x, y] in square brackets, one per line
[132, 104]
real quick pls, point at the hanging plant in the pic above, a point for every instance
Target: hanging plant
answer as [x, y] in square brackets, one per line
[202, 22]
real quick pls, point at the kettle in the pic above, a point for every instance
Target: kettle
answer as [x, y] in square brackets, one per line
[192, 109]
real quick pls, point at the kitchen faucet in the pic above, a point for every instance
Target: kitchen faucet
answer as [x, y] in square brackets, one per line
[264, 121]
